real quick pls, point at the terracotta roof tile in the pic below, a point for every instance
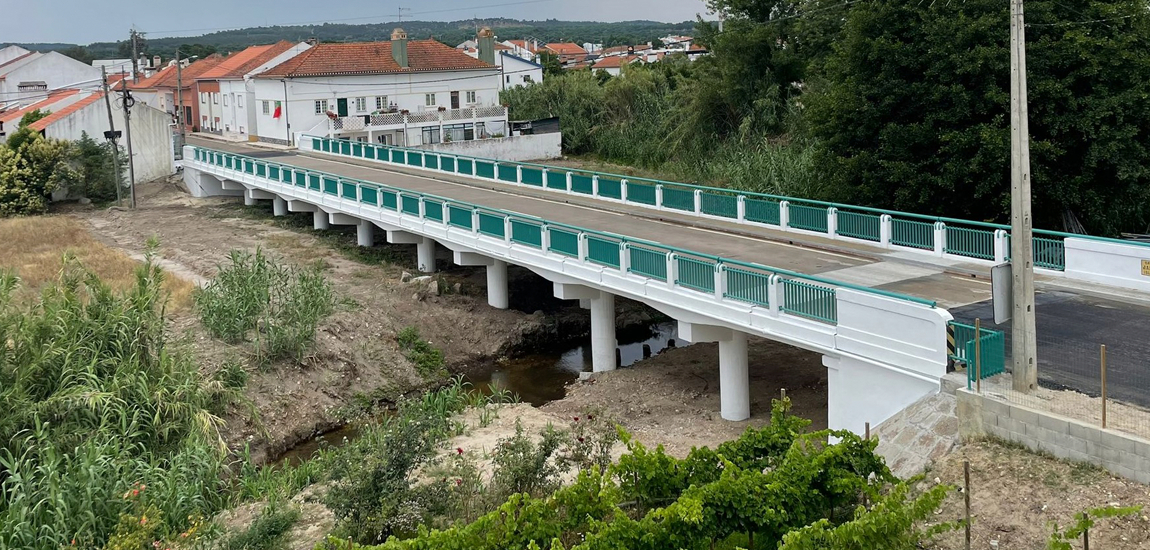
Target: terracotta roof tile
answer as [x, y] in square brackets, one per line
[43, 123]
[567, 48]
[151, 81]
[239, 64]
[613, 62]
[373, 58]
[16, 114]
[190, 73]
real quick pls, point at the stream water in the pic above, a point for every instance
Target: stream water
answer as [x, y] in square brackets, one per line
[537, 379]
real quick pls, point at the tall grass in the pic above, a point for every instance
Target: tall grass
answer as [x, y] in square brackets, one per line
[278, 305]
[94, 404]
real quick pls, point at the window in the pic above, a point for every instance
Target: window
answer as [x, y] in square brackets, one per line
[509, 79]
[267, 109]
[361, 104]
[240, 101]
[429, 100]
[381, 102]
[320, 106]
[471, 97]
[33, 86]
[527, 78]
[225, 101]
[430, 135]
[459, 132]
[242, 130]
[216, 98]
[203, 98]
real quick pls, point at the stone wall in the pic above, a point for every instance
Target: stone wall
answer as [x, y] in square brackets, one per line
[1121, 454]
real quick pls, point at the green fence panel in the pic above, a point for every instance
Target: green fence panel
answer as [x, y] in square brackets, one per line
[390, 199]
[414, 158]
[460, 216]
[447, 164]
[433, 209]
[345, 147]
[465, 166]
[261, 169]
[748, 286]
[761, 211]
[563, 241]
[398, 156]
[642, 193]
[528, 233]
[810, 301]
[1050, 253]
[274, 173]
[969, 242]
[431, 161]
[313, 182]
[507, 173]
[492, 224]
[603, 251]
[678, 198]
[369, 195]
[249, 167]
[581, 183]
[958, 334]
[370, 152]
[357, 149]
[347, 190]
[316, 144]
[330, 186]
[610, 188]
[410, 204]
[695, 274]
[912, 234]
[556, 180]
[647, 262]
[532, 176]
[811, 218]
[716, 204]
[991, 354]
[484, 169]
[858, 225]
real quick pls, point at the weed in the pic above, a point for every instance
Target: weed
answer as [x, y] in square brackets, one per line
[267, 532]
[428, 360]
[232, 375]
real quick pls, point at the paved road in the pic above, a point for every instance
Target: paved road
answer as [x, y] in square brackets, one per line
[1070, 325]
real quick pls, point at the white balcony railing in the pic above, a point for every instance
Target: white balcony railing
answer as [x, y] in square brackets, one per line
[390, 121]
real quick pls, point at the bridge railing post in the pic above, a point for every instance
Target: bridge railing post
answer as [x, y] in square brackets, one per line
[595, 185]
[884, 229]
[659, 196]
[623, 189]
[832, 221]
[698, 198]
[1001, 245]
[939, 238]
[544, 238]
[672, 269]
[624, 258]
[720, 281]
[475, 221]
[545, 177]
[741, 208]
[582, 247]
[507, 228]
[568, 182]
[784, 214]
[519, 174]
[774, 297]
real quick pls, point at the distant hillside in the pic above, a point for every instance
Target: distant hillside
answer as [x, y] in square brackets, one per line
[452, 33]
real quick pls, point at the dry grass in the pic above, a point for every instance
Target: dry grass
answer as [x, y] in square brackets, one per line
[34, 248]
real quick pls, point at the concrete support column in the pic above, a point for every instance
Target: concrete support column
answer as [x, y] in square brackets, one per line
[497, 295]
[603, 332]
[425, 255]
[365, 233]
[249, 200]
[734, 381]
[319, 220]
[279, 207]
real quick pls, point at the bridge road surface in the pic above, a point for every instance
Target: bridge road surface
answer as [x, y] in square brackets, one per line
[1066, 320]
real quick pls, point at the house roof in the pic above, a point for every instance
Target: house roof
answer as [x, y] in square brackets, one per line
[17, 114]
[150, 82]
[361, 58]
[613, 62]
[13, 63]
[57, 116]
[524, 44]
[239, 64]
[567, 48]
[170, 78]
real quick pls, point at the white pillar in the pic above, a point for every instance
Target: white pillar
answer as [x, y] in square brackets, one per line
[319, 220]
[425, 255]
[365, 233]
[279, 207]
[603, 332]
[734, 383]
[497, 284]
[249, 200]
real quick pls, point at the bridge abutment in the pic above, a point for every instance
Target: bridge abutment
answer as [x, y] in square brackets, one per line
[734, 373]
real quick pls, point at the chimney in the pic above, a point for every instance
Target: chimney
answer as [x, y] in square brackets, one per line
[312, 41]
[155, 61]
[487, 46]
[399, 47]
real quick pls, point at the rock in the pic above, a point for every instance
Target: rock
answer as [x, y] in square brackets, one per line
[433, 288]
[457, 288]
[420, 280]
[586, 375]
[406, 277]
[416, 297]
[85, 201]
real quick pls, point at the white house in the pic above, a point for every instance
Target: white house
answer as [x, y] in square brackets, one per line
[515, 71]
[232, 80]
[10, 118]
[11, 52]
[399, 92]
[29, 76]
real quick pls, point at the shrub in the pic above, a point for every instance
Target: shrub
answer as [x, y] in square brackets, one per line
[31, 168]
[98, 172]
[267, 532]
[427, 359]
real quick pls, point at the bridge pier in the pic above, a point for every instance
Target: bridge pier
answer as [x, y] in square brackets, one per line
[319, 220]
[365, 233]
[279, 207]
[602, 305]
[497, 295]
[734, 377]
[425, 255]
[249, 200]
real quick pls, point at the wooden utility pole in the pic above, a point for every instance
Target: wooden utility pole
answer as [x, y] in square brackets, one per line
[128, 102]
[1024, 348]
[112, 136]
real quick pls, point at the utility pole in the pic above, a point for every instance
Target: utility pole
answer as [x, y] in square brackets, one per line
[128, 102]
[1024, 348]
[135, 57]
[112, 137]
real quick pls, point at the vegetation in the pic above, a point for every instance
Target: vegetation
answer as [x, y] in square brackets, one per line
[428, 359]
[32, 167]
[267, 532]
[1061, 539]
[108, 431]
[280, 304]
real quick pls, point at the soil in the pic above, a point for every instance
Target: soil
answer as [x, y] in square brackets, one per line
[355, 360]
[673, 398]
[1016, 494]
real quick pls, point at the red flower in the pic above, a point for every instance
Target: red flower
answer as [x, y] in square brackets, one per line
[589, 417]
[135, 492]
[580, 439]
[459, 450]
[458, 482]
[576, 418]
[73, 542]
[143, 520]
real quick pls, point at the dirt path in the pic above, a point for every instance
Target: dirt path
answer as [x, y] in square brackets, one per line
[356, 358]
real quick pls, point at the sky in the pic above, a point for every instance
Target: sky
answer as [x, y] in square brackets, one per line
[86, 21]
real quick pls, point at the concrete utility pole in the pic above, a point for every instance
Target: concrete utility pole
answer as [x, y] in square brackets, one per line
[135, 57]
[1024, 347]
[128, 102]
[112, 136]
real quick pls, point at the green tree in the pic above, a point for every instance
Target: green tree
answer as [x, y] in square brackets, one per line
[551, 65]
[31, 168]
[912, 110]
[32, 116]
[98, 172]
[79, 53]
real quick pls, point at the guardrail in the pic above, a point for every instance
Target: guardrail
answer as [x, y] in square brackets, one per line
[939, 236]
[796, 294]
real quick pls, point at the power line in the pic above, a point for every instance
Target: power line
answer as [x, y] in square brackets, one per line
[1086, 22]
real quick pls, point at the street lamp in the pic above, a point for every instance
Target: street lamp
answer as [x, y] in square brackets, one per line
[180, 97]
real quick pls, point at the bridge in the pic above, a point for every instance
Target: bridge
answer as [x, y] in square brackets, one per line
[867, 289]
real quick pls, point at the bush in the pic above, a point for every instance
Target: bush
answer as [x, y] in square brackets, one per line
[427, 359]
[98, 171]
[266, 532]
[31, 168]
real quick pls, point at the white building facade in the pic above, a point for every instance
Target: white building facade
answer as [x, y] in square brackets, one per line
[30, 76]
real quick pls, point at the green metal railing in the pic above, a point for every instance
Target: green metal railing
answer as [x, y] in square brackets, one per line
[992, 352]
[802, 295]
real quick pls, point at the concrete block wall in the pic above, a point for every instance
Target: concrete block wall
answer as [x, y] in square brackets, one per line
[1119, 453]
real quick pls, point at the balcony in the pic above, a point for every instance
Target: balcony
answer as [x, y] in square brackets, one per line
[397, 121]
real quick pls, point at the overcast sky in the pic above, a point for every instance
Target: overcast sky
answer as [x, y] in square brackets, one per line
[85, 21]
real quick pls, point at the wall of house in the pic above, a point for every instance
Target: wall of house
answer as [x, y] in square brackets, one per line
[518, 148]
[517, 72]
[151, 135]
[234, 124]
[54, 69]
[407, 91]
